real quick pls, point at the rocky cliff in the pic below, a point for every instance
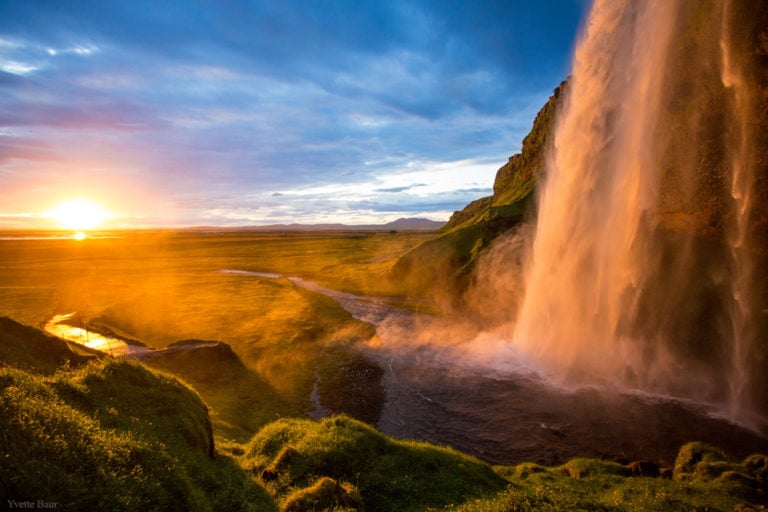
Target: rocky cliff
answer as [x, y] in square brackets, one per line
[695, 196]
[516, 179]
[442, 264]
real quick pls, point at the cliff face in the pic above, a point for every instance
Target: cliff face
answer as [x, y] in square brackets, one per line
[516, 179]
[695, 196]
[445, 263]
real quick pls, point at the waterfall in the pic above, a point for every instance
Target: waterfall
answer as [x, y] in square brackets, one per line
[642, 268]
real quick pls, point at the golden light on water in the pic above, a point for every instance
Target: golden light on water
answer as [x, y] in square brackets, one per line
[79, 215]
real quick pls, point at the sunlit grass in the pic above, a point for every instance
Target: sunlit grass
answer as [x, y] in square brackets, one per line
[177, 276]
[389, 475]
[160, 288]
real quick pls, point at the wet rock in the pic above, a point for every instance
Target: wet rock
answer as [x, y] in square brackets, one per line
[353, 387]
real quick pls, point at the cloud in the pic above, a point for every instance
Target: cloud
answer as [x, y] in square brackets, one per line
[399, 189]
[403, 100]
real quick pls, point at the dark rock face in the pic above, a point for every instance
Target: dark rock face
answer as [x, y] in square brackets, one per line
[644, 468]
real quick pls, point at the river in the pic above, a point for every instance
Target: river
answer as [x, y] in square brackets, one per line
[450, 394]
[454, 394]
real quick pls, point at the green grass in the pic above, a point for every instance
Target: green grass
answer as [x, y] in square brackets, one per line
[589, 484]
[293, 454]
[113, 435]
[29, 348]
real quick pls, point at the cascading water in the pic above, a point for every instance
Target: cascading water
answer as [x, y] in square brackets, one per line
[642, 270]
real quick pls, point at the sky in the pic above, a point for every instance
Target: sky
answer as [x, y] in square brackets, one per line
[254, 112]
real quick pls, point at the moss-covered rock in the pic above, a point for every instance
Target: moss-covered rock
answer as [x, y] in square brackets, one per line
[691, 455]
[389, 475]
[523, 471]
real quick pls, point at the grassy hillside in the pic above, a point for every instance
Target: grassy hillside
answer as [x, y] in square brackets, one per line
[113, 435]
[703, 479]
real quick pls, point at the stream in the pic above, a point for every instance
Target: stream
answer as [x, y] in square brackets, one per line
[458, 398]
[65, 327]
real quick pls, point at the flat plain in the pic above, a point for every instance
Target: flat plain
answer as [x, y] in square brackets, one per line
[160, 287]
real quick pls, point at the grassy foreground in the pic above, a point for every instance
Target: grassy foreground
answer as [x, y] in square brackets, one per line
[101, 434]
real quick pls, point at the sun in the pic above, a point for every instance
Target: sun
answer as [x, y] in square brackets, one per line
[79, 214]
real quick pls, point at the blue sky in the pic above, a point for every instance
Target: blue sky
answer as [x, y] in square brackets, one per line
[258, 112]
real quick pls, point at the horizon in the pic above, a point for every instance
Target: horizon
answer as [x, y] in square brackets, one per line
[199, 115]
[67, 234]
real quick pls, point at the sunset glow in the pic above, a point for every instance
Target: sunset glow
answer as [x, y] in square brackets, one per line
[255, 115]
[79, 214]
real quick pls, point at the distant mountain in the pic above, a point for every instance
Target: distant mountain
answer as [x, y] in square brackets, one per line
[402, 224]
[414, 224]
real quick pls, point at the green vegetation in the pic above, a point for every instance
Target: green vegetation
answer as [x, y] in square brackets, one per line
[31, 349]
[112, 434]
[588, 484]
[388, 475]
[162, 287]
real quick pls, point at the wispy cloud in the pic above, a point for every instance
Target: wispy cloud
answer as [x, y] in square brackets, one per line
[357, 109]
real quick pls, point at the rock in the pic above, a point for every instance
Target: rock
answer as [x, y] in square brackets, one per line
[644, 468]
